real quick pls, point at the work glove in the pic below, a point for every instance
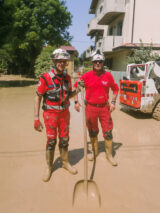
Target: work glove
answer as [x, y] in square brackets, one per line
[38, 125]
[80, 85]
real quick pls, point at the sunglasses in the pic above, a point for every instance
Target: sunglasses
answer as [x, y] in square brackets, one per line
[96, 62]
[60, 62]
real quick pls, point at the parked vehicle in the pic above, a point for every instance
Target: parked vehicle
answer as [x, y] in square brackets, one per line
[140, 88]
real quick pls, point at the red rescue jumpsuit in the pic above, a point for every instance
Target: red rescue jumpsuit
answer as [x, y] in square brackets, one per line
[55, 90]
[97, 107]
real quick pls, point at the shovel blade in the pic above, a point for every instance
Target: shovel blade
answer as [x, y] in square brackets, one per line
[86, 194]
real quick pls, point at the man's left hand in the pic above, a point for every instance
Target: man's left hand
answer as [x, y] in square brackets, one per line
[112, 107]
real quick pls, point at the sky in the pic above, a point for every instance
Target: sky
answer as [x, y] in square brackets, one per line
[80, 12]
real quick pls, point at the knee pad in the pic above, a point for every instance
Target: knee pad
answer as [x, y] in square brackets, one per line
[92, 133]
[108, 135]
[63, 143]
[51, 143]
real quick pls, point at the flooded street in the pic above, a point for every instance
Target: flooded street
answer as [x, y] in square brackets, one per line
[131, 187]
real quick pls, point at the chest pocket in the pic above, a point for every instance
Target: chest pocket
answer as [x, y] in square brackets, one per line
[53, 94]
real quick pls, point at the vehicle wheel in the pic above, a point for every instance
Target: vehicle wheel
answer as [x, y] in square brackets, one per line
[156, 112]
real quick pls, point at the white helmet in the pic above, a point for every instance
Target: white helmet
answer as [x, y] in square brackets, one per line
[98, 56]
[60, 54]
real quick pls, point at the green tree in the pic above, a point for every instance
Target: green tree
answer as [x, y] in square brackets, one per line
[34, 23]
[83, 56]
[76, 61]
[142, 55]
[43, 62]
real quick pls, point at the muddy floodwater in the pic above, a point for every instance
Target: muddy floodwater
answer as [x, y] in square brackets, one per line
[131, 187]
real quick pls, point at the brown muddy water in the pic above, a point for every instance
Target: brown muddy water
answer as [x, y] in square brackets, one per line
[132, 186]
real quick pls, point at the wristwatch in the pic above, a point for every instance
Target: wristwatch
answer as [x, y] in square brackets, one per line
[113, 102]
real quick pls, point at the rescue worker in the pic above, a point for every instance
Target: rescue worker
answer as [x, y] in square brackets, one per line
[56, 89]
[97, 83]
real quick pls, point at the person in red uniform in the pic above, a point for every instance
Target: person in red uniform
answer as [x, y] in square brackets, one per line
[56, 89]
[97, 83]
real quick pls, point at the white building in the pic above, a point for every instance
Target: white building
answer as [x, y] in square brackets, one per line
[119, 25]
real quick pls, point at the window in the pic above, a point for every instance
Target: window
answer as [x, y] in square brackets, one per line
[101, 8]
[119, 28]
[111, 31]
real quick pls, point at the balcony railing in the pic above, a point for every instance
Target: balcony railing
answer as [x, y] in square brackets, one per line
[111, 10]
[110, 42]
[93, 26]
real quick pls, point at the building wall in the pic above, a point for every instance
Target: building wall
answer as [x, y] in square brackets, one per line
[70, 66]
[127, 22]
[146, 23]
[147, 19]
[99, 4]
[118, 60]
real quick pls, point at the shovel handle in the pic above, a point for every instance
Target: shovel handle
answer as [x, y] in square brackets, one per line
[85, 137]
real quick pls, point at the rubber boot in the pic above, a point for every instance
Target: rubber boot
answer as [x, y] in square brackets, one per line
[65, 162]
[108, 147]
[49, 160]
[94, 142]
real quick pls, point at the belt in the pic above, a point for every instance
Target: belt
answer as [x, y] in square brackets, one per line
[98, 105]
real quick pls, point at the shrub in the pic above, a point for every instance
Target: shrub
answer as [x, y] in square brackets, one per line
[43, 62]
[142, 55]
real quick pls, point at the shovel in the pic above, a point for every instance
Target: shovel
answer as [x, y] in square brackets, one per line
[85, 191]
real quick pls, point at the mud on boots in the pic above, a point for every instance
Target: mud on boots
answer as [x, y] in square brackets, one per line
[50, 149]
[108, 148]
[63, 149]
[94, 153]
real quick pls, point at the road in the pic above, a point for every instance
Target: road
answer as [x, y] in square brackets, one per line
[132, 186]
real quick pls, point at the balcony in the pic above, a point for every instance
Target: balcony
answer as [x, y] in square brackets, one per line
[111, 10]
[93, 27]
[90, 51]
[99, 45]
[110, 42]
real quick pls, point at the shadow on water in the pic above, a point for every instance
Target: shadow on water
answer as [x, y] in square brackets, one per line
[137, 114]
[17, 83]
[77, 154]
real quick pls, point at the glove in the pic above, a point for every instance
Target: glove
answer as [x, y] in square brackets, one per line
[38, 125]
[80, 85]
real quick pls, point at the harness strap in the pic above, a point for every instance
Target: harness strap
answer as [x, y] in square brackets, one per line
[44, 80]
[60, 107]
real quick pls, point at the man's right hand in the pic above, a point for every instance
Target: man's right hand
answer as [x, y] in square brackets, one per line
[81, 83]
[77, 106]
[38, 125]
